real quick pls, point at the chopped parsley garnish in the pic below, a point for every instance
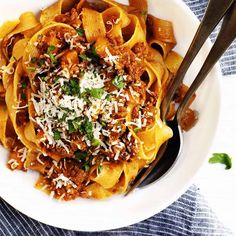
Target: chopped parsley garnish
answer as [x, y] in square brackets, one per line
[83, 57]
[80, 155]
[80, 31]
[100, 169]
[71, 88]
[103, 124]
[96, 92]
[93, 50]
[118, 81]
[136, 130]
[93, 55]
[71, 127]
[52, 57]
[108, 97]
[88, 129]
[23, 96]
[221, 158]
[51, 48]
[24, 85]
[41, 62]
[33, 60]
[56, 135]
[74, 125]
[86, 167]
[96, 142]
[63, 118]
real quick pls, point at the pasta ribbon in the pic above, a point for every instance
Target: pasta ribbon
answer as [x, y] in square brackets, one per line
[80, 94]
[93, 24]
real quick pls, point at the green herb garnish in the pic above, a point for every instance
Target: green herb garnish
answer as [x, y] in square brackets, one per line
[93, 50]
[118, 81]
[100, 169]
[44, 78]
[24, 85]
[23, 96]
[80, 32]
[136, 130]
[103, 124]
[52, 57]
[96, 92]
[222, 158]
[77, 123]
[56, 135]
[86, 167]
[71, 128]
[88, 129]
[41, 62]
[51, 48]
[71, 88]
[96, 142]
[108, 97]
[93, 54]
[33, 60]
[80, 155]
[83, 57]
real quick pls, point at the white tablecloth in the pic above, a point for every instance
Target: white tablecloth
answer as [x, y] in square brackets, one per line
[217, 184]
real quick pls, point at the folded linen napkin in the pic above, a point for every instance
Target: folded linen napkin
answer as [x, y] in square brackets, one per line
[189, 215]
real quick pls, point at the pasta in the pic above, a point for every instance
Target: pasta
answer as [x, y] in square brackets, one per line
[80, 94]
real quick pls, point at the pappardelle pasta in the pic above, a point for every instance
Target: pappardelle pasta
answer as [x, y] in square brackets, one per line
[80, 93]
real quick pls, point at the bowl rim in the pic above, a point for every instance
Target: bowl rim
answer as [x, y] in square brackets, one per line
[151, 211]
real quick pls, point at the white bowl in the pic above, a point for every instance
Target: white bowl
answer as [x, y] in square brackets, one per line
[90, 215]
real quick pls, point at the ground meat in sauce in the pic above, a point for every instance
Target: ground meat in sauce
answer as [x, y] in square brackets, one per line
[189, 119]
[71, 169]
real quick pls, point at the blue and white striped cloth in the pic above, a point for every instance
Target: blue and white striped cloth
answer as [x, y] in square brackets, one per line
[189, 215]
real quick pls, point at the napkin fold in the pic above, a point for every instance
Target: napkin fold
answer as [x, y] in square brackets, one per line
[189, 215]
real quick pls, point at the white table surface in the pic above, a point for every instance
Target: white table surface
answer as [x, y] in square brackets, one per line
[217, 184]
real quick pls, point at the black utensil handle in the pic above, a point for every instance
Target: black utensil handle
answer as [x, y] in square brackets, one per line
[225, 37]
[216, 9]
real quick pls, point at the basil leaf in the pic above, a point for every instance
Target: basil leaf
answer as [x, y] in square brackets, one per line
[221, 158]
[118, 81]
